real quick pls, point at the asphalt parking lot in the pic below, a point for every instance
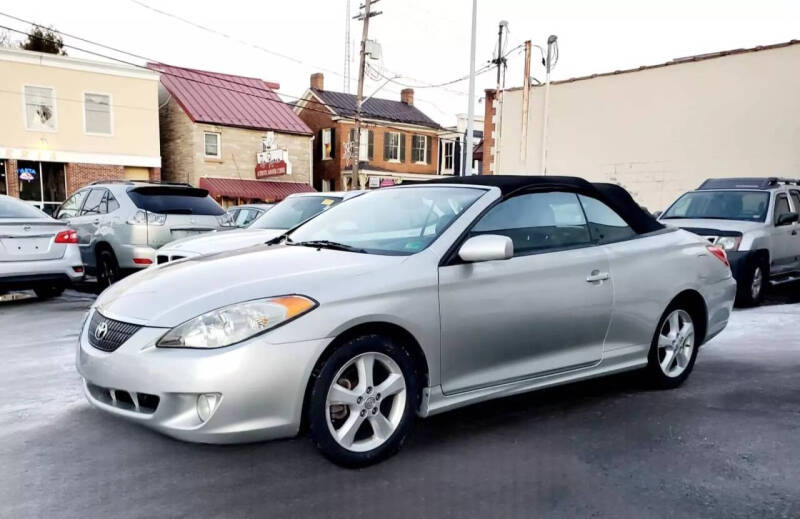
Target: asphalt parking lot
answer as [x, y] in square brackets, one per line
[726, 444]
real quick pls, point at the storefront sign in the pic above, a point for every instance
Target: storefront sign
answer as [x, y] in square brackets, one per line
[374, 181]
[27, 174]
[272, 161]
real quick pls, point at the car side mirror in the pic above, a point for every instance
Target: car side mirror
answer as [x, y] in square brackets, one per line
[487, 247]
[786, 219]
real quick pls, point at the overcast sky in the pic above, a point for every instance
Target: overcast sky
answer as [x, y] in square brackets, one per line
[424, 41]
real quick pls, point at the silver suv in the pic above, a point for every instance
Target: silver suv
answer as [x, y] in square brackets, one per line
[120, 224]
[755, 220]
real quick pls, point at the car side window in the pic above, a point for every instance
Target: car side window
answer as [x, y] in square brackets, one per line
[72, 206]
[95, 203]
[111, 202]
[605, 225]
[537, 222]
[796, 199]
[781, 207]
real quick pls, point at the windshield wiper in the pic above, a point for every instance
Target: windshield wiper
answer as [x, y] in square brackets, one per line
[327, 244]
[277, 239]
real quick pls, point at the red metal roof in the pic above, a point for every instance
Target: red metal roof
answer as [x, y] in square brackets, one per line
[261, 189]
[211, 97]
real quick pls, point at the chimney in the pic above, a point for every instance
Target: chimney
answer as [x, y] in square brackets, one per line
[317, 81]
[407, 96]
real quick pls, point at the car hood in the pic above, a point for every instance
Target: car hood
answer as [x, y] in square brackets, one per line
[711, 223]
[210, 243]
[169, 294]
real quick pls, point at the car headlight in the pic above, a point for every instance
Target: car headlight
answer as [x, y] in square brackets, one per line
[234, 323]
[729, 242]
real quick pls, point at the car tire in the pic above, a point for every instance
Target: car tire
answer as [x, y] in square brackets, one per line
[753, 284]
[352, 421]
[107, 269]
[674, 348]
[48, 292]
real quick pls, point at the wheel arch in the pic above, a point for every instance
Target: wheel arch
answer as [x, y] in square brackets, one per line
[695, 303]
[387, 329]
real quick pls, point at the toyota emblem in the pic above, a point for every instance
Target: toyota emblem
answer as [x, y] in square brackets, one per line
[101, 331]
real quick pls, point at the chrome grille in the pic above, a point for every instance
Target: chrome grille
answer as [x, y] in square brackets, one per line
[107, 334]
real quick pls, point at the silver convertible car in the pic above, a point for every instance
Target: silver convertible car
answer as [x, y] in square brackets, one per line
[408, 300]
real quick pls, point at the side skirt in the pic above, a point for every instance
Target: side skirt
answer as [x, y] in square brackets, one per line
[434, 401]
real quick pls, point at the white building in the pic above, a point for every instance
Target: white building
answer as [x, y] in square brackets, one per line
[660, 130]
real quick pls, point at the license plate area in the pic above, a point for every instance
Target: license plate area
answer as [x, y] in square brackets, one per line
[26, 246]
[176, 234]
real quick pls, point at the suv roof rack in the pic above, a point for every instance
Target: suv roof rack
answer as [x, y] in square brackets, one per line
[746, 183]
[134, 182]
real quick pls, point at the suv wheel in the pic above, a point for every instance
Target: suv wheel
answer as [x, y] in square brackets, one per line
[753, 284]
[48, 292]
[674, 348]
[363, 401]
[107, 269]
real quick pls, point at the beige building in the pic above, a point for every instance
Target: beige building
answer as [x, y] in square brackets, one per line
[67, 122]
[659, 130]
[231, 135]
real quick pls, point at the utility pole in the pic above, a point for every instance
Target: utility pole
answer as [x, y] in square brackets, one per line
[500, 61]
[526, 93]
[347, 58]
[551, 46]
[471, 101]
[365, 16]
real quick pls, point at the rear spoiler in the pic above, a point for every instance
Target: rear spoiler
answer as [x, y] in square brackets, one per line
[174, 189]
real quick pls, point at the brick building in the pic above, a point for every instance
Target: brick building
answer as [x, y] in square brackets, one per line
[68, 122]
[398, 141]
[231, 135]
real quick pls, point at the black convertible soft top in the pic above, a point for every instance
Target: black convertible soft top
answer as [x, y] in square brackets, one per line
[612, 195]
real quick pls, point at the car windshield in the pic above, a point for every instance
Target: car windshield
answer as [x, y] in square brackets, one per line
[398, 221]
[294, 211]
[13, 208]
[721, 205]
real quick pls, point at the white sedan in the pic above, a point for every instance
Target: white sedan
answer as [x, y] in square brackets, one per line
[36, 251]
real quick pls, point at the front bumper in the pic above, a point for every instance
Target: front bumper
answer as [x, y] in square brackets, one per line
[259, 386]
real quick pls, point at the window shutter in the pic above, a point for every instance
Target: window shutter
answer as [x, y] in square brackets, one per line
[333, 142]
[386, 146]
[402, 147]
[457, 157]
[318, 146]
[441, 158]
[428, 149]
[371, 145]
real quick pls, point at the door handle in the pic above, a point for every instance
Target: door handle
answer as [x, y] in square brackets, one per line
[597, 277]
[97, 221]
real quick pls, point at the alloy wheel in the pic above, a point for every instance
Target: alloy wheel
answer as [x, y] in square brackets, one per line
[675, 343]
[365, 402]
[757, 284]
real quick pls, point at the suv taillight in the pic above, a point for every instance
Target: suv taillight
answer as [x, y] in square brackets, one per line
[719, 252]
[68, 236]
[142, 217]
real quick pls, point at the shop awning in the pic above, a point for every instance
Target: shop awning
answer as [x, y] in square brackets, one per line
[260, 189]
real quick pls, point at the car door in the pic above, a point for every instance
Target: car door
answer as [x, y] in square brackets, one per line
[782, 246]
[94, 207]
[794, 240]
[544, 310]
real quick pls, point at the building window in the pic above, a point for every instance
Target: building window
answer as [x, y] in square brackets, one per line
[391, 148]
[42, 183]
[419, 149]
[40, 108]
[212, 147]
[327, 144]
[364, 144]
[97, 114]
[3, 184]
[448, 148]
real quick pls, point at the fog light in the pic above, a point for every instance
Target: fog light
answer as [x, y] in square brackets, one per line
[206, 403]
